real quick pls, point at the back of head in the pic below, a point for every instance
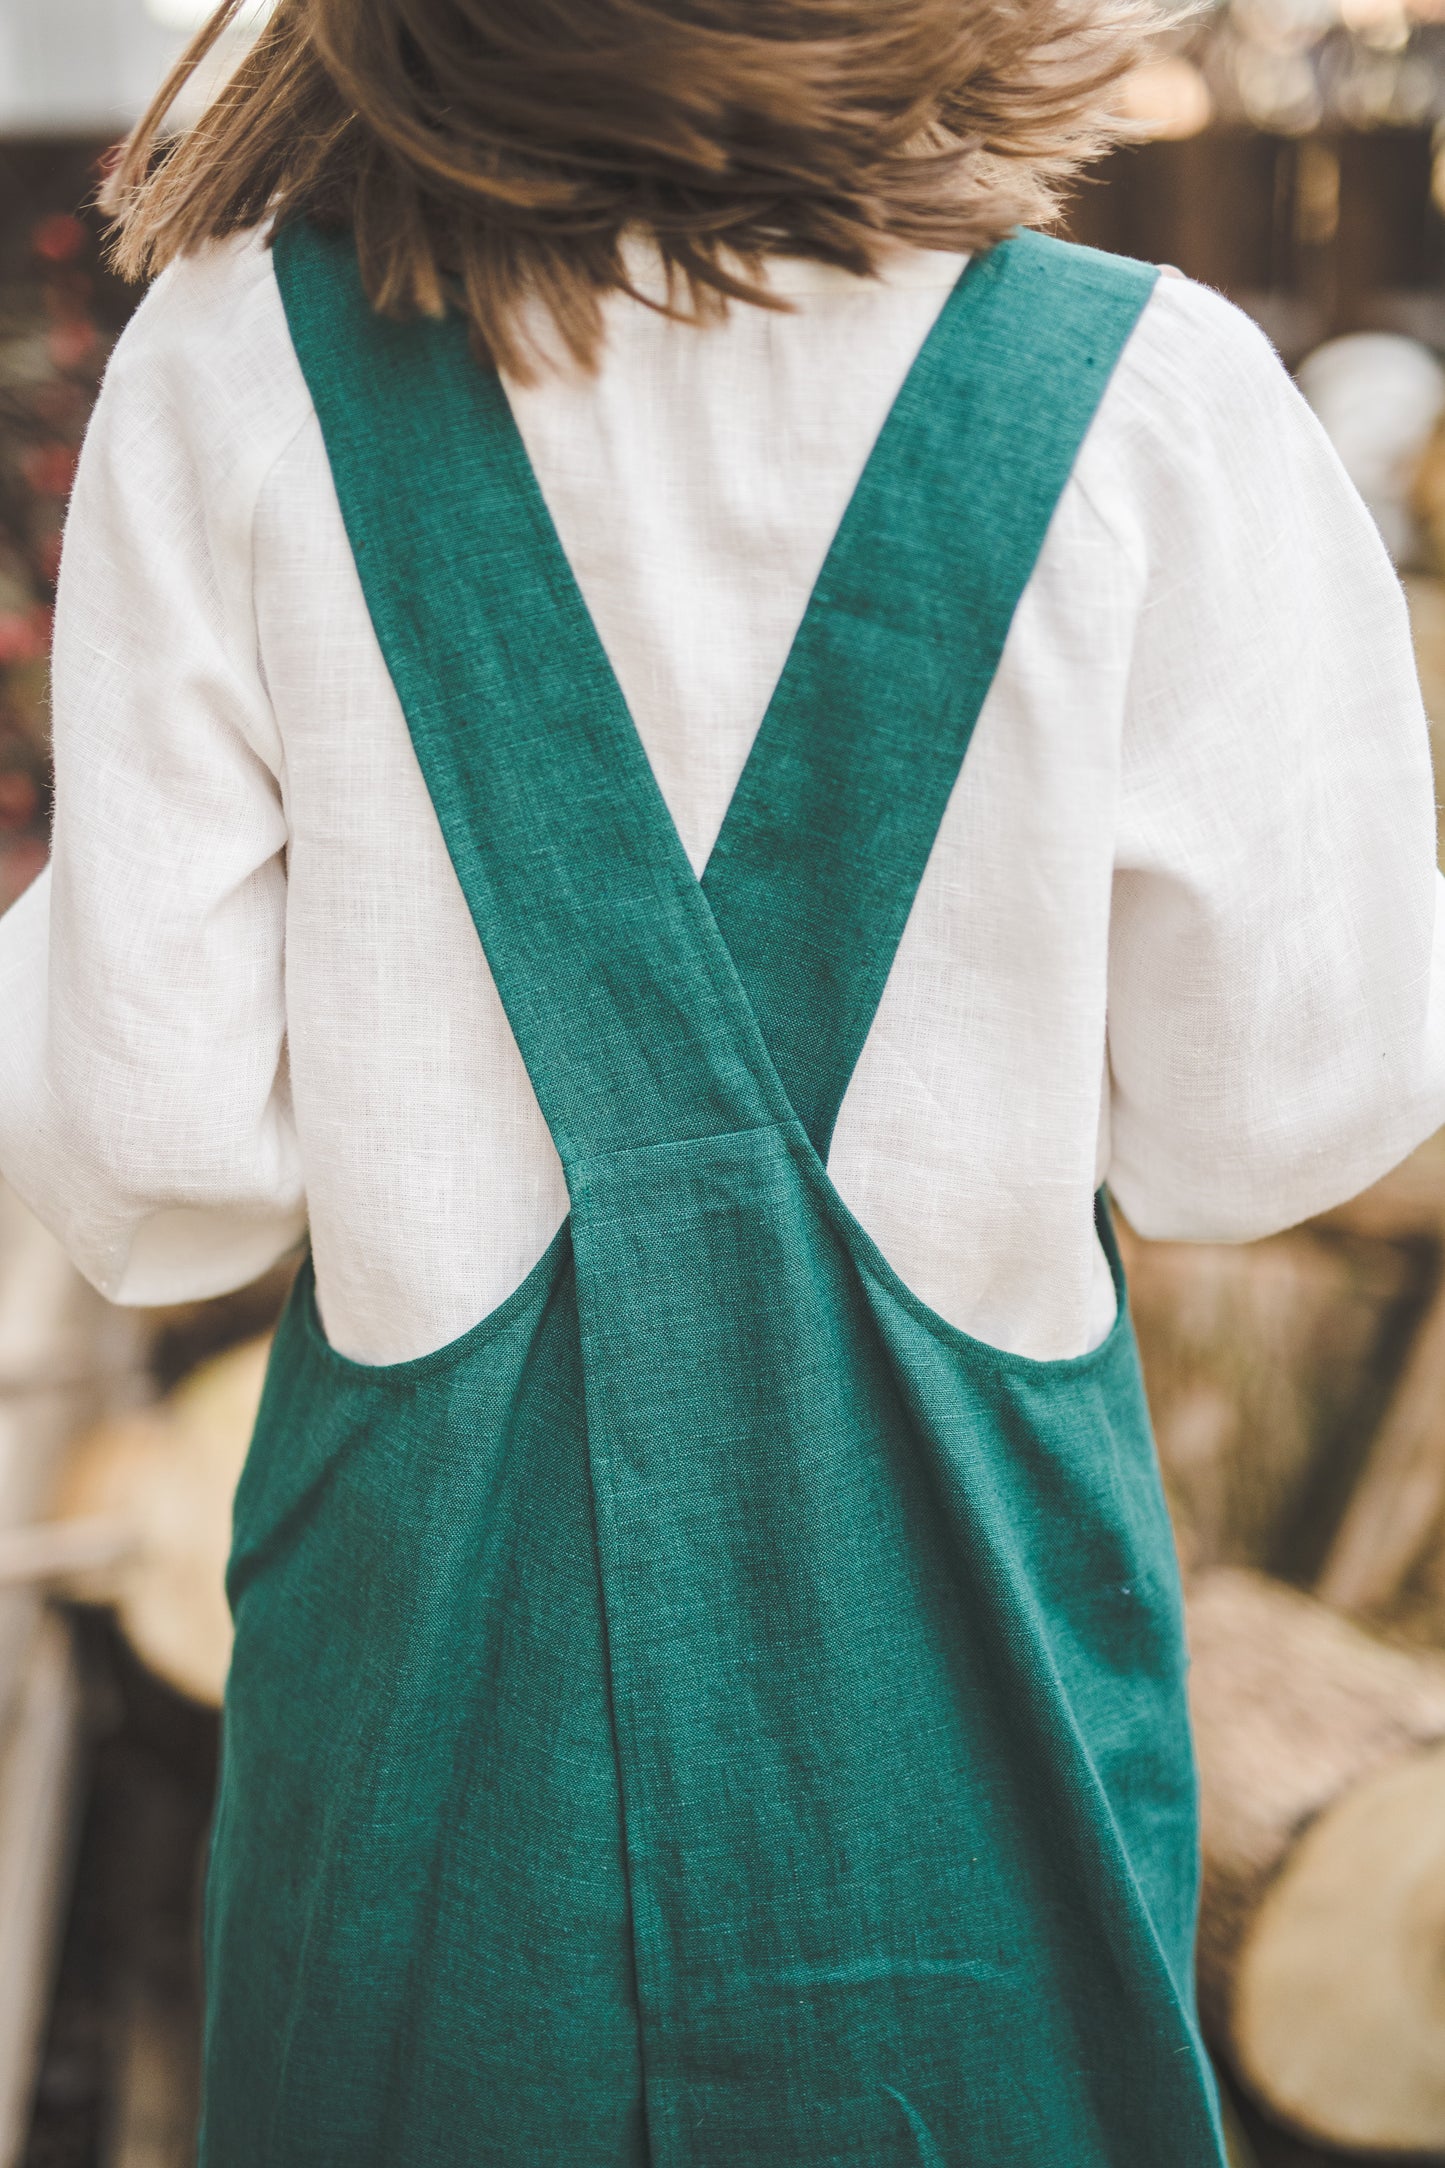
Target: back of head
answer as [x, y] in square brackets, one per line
[490, 152]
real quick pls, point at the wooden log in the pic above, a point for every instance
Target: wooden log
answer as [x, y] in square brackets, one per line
[39, 1770]
[1407, 1204]
[1266, 1367]
[1396, 1511]
[47, 1553]
[1322, 1934]
[1237, 2149]
[1298, 1392]
[65, 1357]
[1397, 1505]
[145, 1508]
[154, 2112]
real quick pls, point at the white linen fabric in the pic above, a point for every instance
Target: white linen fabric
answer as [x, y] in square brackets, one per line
[1181, 927]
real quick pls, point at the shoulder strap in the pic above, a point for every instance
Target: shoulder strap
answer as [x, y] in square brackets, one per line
[614, 977]
[635, 997]
[818, 863]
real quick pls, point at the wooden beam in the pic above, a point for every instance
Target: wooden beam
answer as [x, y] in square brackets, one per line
[39, 1766]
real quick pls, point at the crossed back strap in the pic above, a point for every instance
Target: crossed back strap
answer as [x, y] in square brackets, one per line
[650, 1008]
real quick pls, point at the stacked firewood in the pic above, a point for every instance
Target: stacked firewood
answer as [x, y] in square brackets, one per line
[1299, 1396]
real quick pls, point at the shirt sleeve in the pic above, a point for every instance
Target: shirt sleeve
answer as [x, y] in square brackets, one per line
[144, 1108]
[1277, 960]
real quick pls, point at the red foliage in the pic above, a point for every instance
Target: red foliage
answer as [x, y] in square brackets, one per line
[59, 238]
[19, 798]
[24, 634]
[50, 468]
[69, 344]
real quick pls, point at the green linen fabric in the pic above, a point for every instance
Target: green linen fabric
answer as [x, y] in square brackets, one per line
[714, 1714]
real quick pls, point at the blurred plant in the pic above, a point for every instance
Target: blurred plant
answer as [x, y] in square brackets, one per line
[53, 348]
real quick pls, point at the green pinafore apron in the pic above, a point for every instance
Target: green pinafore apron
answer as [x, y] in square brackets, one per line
[714, 1714]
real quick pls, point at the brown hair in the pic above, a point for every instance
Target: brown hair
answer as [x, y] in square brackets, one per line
[486, 151]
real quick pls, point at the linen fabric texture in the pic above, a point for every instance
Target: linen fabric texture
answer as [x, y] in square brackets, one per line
[715, 1711]
[1179, 928]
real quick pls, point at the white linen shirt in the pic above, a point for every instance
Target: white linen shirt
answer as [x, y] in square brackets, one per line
[1180, 928]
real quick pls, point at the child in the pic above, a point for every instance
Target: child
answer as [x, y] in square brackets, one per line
[708, 1682]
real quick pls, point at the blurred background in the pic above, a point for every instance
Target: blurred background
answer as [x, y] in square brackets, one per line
[1292, 153]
